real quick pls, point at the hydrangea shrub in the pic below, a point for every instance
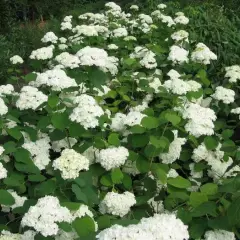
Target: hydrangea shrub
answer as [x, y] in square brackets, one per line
[119, 134]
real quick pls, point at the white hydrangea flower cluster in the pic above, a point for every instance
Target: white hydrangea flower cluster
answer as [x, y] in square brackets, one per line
[70, 163]
[236, 111]
[117, 204]
[119, 32]
[39, 151]
[3, 107]
[167, 19]
[67, 23]
[43, 53]
[28, 235]
[178, 55]
[19, 201]
[161, 6]
[98, 57]
[219, 235]
[68, 60]
[1, 150]
[158, 227]
[3, 171]
[147, 57]
[180, 36]
[181, 19]
[174, 151]
[112, 157]
[224, 94]
[87, 112]
[45, 215]
[16, 60]
[134, 7]
[202, 54]
[233, 73]
[200, 119]
[30, 98]
[7, 89]
[49, 37]
[215, 160]
[57, 79]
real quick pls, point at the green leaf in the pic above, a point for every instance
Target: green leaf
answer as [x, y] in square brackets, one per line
[84, 226]
[106, 180]
[27, 168]
[228, 146]
[179, 182]
[65, 226]
[30, 77]
[227, 133]
[60, 120]
[72, 206]
[79, 194]
[197, 228]
[184, 215]
[104, 222]
[161, 142]
[197, 198]
[137, 129]
[6, 198]
[143, 165]
[150, 122]
[206, 208]
[117, 176]
[233, 212]
[53, 100]
[22, 155]
[160, 174]
[9, 147]
[209, 188]
[97, 77]
[36, 178]
[127, 181]
[173, 118]
[138, 140]
[210, 142]
[15, 133]
[46, 188]
[203, 77]
[113, 139]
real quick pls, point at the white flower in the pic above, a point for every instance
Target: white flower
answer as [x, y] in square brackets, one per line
[70, 163]
[167, 19]
[120, 32]
[87, 112]
[66, 25]
[62, 40]
[28, 235]
[16, 59]
[173, 74]
[113, 6]
[118, 122]
[236, 111]
[117, 204]
[57, 79]
[62, 46]
[233, 73]
[1, 150]
[30, 98]
[112, 46]
[130, 38]
[202, 54]
[134, 7]
[133, 118]
[219, 235]
[145, 18]
[19, 201]
[112, 157]
[155, 84]
[3, 107]
[161, 6]
[68, 60]
[85, 30]
[7, 89]
[45, 215]
[178, 55]
[177, 86]
[158, 227]
[181, 20]
[43, 53]
[200, 119]
[98, 57]
[174, 151]
[39, 151]
[3, 171]
[180, 35]
[224, 94]
[49, 37]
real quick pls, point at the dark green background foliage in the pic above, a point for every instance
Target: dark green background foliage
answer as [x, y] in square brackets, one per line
[214, 22]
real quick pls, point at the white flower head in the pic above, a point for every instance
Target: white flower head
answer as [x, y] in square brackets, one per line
[16, 60]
